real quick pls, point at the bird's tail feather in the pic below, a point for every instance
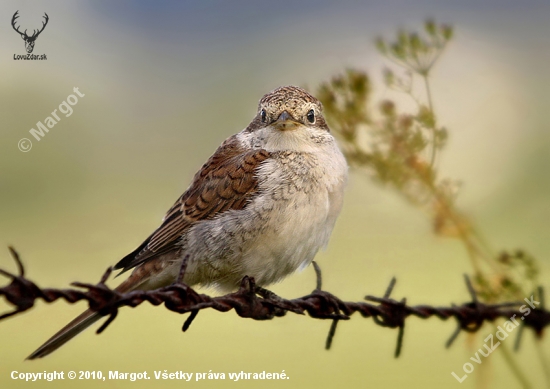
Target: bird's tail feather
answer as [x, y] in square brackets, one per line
[138, 279]
[80, 323]
[75, 327]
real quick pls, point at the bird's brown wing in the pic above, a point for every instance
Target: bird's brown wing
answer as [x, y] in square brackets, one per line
[226, 181]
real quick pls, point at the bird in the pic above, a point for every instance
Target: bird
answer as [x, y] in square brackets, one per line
[261, 206]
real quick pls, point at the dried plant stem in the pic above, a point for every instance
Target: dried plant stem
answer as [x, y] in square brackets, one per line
[402, 153]
[431, 107]
[516, 369]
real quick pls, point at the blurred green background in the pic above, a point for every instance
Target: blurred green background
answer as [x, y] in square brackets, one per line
[165, 83]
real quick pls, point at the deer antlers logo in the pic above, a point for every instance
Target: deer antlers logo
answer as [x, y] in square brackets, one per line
[29, 40]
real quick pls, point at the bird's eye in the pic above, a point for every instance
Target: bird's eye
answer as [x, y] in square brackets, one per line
[263, 115]
[311, 116]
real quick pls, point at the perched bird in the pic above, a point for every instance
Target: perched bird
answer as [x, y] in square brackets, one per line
[261, 206]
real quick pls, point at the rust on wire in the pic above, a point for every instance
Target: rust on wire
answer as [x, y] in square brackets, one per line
[254, 302]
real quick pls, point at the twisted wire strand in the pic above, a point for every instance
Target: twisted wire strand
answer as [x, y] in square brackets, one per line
[254, 302]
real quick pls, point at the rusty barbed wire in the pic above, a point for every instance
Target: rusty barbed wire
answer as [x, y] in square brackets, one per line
[254, 302]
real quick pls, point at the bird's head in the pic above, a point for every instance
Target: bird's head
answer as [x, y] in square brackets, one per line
[289, 118]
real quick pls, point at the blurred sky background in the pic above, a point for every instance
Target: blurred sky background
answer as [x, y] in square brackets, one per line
[166, 82]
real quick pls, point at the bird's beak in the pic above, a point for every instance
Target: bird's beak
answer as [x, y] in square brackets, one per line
[286, 122]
